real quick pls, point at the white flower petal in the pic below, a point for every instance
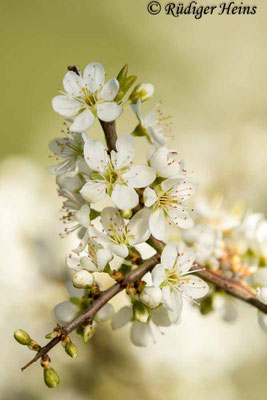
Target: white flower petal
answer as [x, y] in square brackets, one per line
[139, 226]
[105, 313]
[125, 152]
[66, 106]
[150, 197]
[108, 111]
[140, 333]
[194, 287]
[139, 176]
[112, 221]
[180, 217]
[177, 306]
[158, 275]
[72, 291]
[73, 83]
[88, 264]
[109, 91]
[120, 250]
[83, 121]
[160, 317]
[95, 154]
[73, 262]
[93, 191]
[137, 109]
[169, 256]
[58, 145]
[94, 76]
[185, 260]
[122, 317]
[124, 197]
[104, 256]
[159, 160]
[167, 298]
[183, 187]
[83, 216]
[157, 224]
[65, 312]
[260, 277]
[60, 168]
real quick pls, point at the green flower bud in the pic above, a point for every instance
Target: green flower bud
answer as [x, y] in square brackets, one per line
[71, 349]
[22, 337]
[126, 213]
[141, 313]
[143, 91]
[52, 335]
[51, 378]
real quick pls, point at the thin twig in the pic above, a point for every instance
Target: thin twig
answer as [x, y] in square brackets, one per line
[90, 312]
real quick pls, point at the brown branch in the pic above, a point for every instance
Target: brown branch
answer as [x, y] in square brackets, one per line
[90, 312]
[111, 137]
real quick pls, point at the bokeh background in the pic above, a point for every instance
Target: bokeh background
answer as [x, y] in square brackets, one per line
[211, 76]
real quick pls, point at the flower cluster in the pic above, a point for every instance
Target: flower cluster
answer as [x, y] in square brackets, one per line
[136, 202]
[120, 212]
[232, 243]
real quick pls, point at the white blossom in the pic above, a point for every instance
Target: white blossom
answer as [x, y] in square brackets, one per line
[208, 243]
[87, 97]
[118, 235]
[167, 201]
[96, 257]
[175, 279]
[164, 162]
[141, 332]
[154, 125]
[71, 151]
[115, 174]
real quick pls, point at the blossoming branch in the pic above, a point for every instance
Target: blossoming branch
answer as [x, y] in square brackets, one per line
[125, 238]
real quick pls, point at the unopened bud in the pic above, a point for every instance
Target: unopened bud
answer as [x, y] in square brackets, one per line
[52, 335]
[126, 213]
[82, 279]
[141, 313]
[51, 378]
[88, 332]
[71, 349]
[22, 337]
[151, 296]
[143, 91]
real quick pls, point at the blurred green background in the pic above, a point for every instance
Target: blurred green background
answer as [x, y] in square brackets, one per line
[211, 76]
